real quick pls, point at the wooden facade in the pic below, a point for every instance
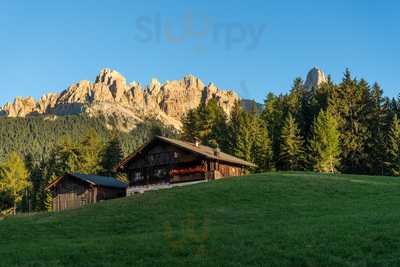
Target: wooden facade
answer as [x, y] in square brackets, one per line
[165, 160]
[76, 190]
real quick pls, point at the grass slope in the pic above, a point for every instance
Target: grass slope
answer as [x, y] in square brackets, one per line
[273, 219]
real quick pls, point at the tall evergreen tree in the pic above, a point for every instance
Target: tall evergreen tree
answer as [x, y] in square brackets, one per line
[378, 121]
[291, 150]
[273, 116]
[207, 122]
[349, 104]
[90, 156]
[14, 178]
[392, 162]
[190, 125]
[243, 137]
[112, 155]
[262, 147]
[324, 144]
[65, 158]
[296, 103]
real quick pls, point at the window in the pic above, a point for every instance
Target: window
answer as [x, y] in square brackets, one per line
[138, 176]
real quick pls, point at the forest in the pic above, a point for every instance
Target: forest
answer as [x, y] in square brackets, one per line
[348, 127]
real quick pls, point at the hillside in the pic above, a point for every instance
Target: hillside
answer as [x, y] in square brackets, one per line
[37, 136]
[273, 219]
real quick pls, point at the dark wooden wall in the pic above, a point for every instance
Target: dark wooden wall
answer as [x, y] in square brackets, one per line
[72, 193]
[154, 164]
[105, 193]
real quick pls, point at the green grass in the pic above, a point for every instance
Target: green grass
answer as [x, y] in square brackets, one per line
[273, 219]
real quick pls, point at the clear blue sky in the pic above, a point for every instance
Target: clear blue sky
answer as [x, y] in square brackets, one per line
[251, 46]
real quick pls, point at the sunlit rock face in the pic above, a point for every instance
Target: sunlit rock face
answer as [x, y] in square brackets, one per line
[315, 78]
[110, 96]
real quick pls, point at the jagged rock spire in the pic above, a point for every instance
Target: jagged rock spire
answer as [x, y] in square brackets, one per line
[315, 78]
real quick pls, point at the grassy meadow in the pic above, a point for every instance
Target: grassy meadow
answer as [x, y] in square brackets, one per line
[271, 219]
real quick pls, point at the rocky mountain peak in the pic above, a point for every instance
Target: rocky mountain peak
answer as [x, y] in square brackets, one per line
[315, 78]
[110, 96]
[109, 77]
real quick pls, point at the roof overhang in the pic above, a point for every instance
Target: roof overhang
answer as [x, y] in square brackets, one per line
[122, 165]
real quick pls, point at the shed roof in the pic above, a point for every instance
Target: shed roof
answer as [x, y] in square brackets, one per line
[94, 180]
[205, 151]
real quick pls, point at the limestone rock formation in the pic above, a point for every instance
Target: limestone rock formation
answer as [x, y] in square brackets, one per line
[315, 78]
[21, 107]
[113, 98]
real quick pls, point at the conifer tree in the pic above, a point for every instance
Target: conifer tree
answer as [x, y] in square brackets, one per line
[112, 155]
[190, 125]
[273, 116]
[65, 158]
[349, 102]
[90, 156]
[378, 125]
[291, 150]
[243, 137]
[14, 178]
[324, 144]
[207, 122]
[296, 102]
[36, 178]
[392, 162]
[262, 147]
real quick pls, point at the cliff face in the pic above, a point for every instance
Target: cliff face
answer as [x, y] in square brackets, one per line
[112, 97]
[315, 78]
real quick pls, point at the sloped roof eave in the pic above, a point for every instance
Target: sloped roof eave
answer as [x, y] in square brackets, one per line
[187, 146]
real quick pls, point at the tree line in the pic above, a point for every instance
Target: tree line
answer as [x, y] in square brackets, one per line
[348, 127]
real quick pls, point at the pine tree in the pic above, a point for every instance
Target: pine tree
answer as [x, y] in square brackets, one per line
[291, 150]
[392, 162]
[243, 137]
[273, 115]
[296, 102]
[90, 156]
[378, 124]
[349, 104]
[112, 155]
[262, 147]
[324, 145]
[36, 178]
[207, 122]
[190, 128]
[14, 178]
[65, 158]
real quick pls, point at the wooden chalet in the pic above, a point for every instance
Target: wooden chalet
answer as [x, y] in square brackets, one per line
[166, 161]
[74, 190]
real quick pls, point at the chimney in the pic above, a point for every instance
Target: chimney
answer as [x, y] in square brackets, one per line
[217, 151]
[196, 142]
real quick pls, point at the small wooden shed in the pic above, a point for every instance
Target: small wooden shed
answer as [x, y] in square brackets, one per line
[74, 190]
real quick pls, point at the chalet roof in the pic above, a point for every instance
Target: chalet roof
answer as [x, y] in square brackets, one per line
[100, 180]
[94, 180]
[205, 151]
